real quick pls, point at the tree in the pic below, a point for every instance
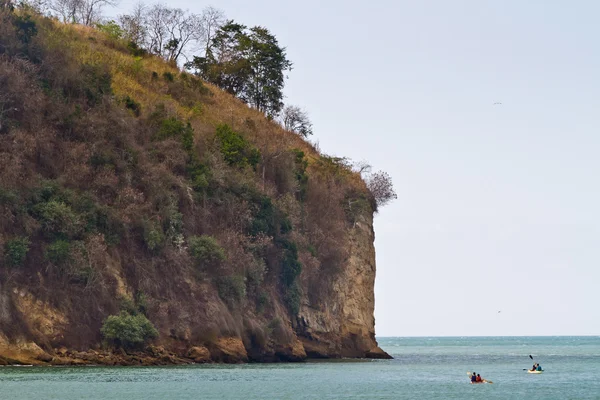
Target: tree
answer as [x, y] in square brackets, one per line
[212, 19]
[248, 63]
[86, 12]
[134, 25]
[381, 188]
[296, 120]
[171, 31]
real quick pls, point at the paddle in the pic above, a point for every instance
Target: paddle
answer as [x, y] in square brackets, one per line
[527, 369]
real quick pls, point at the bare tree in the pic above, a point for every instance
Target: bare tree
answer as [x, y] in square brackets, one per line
[296, 120]
[67, 10]
[212, 19]
[172, 31]
[381, 187]
[86, 12]
[362, 167]
[134, 24]
[91, 10]
[39, 6]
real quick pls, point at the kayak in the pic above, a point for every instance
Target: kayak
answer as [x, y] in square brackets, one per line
[534, 372]
[483, 381]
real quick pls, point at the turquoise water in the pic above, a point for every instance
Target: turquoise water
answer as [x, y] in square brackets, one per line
[424, 368]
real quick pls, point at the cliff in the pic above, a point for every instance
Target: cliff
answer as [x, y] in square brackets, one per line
[147, 217]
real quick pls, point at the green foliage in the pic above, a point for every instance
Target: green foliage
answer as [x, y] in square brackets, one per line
[26, 28]
[137, 51]
[8, 197]
[262, 301]
[141, 302]
[57, 219]
[128, 331]
[112, 29]
[292, 298]
[153, 237]
[132, 105]
[127, 305]
[58, 252]
[169, 76]
[357, 204]
[174, 128]
[264, 218]
[187, 138]
[97, 81]
[301, 164]
[206, 252]
[290, 266]
[15, 251]
[65, 214]
[248, 63]
[231, 288]
[134, 306]
[199, 174]
[236, 150]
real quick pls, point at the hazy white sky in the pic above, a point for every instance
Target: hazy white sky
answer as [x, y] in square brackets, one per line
[498, 206]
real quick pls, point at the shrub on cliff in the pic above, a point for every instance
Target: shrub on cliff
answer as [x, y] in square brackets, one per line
[232, 289]
[206, 252]
[236, 150]
[128, 331]
[59, 252]
[57, 219]
[15, 251]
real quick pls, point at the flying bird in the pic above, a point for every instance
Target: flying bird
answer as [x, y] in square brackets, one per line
[497, 103]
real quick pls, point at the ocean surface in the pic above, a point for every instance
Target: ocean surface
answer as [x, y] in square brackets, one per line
[423, 368]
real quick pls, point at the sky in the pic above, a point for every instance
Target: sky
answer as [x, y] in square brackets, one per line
[496, 230]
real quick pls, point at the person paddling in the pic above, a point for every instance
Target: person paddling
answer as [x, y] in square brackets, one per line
[474, 378]
[534, 367]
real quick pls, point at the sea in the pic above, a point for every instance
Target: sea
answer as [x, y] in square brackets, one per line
[424, 368]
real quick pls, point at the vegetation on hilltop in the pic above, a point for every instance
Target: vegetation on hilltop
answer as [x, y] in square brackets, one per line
[121, 174]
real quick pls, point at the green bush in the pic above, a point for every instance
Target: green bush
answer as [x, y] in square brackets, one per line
[206, 252]
[58, 253]
[112, 29]
[168, 76]
[134, 106]
[97, 81]
[153, 237]
[174, 128]
[134, 306]
[236, 150]
[231, 288]
[26, 28]
[129, 331]
[292, 298]
[8, 197]
[262, 301]
[301, 164]
[15, 251]
[57, 218]
[290, 266]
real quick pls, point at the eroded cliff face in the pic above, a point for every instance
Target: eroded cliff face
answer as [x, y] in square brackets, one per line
[335, 320]
[339, 322]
